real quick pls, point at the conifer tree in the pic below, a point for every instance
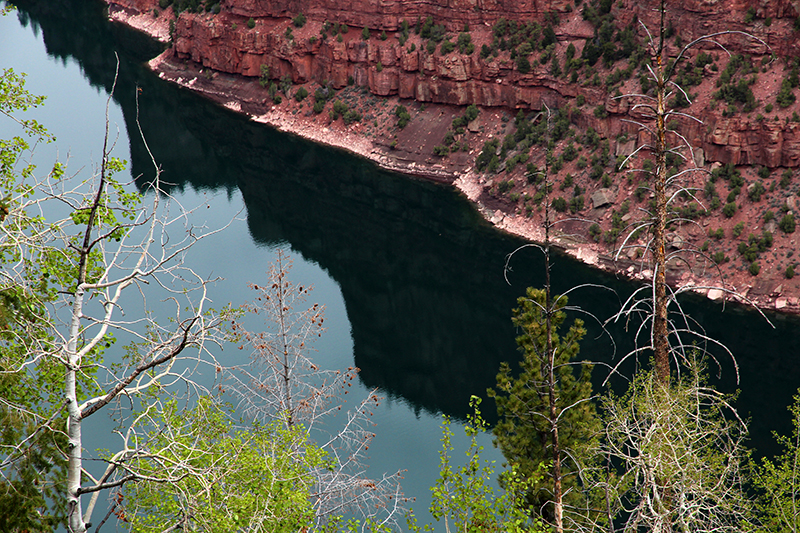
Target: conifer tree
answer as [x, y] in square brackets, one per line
[545, 400]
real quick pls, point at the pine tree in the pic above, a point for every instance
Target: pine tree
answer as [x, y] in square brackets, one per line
[528, 417]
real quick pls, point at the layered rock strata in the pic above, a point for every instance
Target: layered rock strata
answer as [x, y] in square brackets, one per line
[224, 42]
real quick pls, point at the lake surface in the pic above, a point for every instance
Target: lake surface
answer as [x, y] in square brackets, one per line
[411, 276]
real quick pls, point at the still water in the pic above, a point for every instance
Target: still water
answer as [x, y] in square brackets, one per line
[412, 278]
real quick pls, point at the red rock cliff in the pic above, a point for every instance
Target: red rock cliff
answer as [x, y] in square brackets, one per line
[225, 42]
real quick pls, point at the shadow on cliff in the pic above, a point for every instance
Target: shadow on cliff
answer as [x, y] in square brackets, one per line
[420, 271]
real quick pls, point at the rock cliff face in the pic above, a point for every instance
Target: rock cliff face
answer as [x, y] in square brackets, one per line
[225, 42]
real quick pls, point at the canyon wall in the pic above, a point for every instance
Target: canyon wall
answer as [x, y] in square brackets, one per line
[225, 42]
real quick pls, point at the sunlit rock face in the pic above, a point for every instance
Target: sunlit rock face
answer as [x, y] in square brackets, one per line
[248, 35]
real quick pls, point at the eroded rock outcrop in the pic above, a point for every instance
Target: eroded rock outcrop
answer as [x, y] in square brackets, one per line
[225, 42]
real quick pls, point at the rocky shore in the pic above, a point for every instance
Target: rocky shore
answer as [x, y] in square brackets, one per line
[410, 150]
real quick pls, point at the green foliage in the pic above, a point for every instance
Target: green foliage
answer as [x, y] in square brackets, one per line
[266, 479]
[299, 21]
[523, 65]
[776, 480]
[434, 32]
[441, 150]
[785, 96]
[787, 223]
[339, 108]
[403, 117]
[755, 191]
[350, 116]
[365, 33]
[576, 203]
[301, 93]
[786, 178]
[555, 66]
[251, 23]
[789, 272]
[595, 231]
[40, 265]
[733, 92]
[488, 152]
[754, 268]
[447, 47]
[730, 209]
[470, 114]
[524, 430]
[600, 111]
[464, 497]
[464, 43]
[559, 204]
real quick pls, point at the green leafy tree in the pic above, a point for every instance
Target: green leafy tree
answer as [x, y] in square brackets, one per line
[464, 498]
[32, 488]
[777, 481]
[546, 397]
[256, 479]
[62, 283]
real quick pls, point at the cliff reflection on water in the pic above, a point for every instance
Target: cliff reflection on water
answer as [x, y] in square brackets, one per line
[421, 273]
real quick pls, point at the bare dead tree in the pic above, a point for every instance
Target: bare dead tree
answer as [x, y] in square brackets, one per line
[683, 455]
[285, 384]
[671, 337]
[673, 446]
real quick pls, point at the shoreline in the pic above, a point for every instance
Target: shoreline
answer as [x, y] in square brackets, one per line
[235, 93]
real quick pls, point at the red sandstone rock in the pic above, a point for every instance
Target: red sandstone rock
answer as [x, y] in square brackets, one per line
[225, 43]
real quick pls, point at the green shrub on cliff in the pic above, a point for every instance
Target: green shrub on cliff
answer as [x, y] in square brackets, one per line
[263, 80]
[785, 96]
[787, 224]
[340, 108]
[300, 20]
[559, 204]
[523, 65]
[251, 23]
[487, 153]
[464, 43]
[403, 117]
[350, 116]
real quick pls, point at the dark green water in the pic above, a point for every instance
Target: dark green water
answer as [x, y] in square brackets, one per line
[411, 275]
